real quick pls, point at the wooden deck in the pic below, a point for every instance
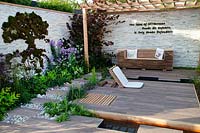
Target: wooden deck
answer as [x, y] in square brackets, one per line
[175, 75]
[165, 100]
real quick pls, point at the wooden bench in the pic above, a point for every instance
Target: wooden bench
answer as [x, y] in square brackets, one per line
[146, 60]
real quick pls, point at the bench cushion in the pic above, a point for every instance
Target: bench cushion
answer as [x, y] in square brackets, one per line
[159, 53]
[131, 54]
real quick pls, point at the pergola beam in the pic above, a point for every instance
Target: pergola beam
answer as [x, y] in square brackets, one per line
[149, 5]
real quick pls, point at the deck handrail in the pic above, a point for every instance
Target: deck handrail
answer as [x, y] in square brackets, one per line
[142, 120]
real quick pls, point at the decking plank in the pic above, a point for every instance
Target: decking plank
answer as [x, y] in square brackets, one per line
[171, 101]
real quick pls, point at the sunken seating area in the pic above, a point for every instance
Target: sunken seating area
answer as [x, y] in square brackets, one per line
[145, 59]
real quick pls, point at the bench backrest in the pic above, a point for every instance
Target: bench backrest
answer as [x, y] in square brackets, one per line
[146, 53]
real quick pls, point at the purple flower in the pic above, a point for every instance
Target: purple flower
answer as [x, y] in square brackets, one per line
[63, 50]
[59, 43]
[52, 43]
[72, 50]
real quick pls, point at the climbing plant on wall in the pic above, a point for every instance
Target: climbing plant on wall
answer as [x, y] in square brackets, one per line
[29, 27]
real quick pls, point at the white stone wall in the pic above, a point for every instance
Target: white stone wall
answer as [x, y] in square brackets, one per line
[57, 27]
[185, 25]
[185, 39]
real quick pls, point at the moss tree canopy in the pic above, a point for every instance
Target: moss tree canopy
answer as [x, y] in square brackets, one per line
[26, 26]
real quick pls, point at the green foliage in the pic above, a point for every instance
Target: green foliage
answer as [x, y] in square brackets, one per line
[198, 69]
[74, 68]
[60, 5]
[7, 99]
[76, 93]
[104, 72]
[80, 92]
[97, 23]
[58, 77]
[62, 110]
[24, 88]
[30, 87]
[63, 117]
[22, 2]
[93, 79]
[26, 26]
[76, 109]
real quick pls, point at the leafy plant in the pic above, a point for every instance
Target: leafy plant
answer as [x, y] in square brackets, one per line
[74, 68]
[27, 26]
[198, 69]
[76, 93]
[63, 117]
[76, 109]
[60, 5]
[7, 99]
[97, 23]
[62, 110]
[25, 88]
[93, 78]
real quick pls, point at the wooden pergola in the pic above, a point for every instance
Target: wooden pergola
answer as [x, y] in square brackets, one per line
[131, 6]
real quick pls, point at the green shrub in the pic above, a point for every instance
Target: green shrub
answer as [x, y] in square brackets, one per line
[198, 69]
[76, 109]
[74, 68]
[76, 93]
[92, 81]
[7, 99]
[24, 88]
[63, 117]
[62, 110]
[93, 78]
[60, 5]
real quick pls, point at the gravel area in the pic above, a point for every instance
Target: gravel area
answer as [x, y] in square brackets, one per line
[52, 96]
[33, 106]
[63, 88]
[15, 119]
[46, 116]
[18, 119]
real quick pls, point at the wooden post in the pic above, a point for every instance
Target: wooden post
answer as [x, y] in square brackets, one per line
[85, 34]
[141, 120]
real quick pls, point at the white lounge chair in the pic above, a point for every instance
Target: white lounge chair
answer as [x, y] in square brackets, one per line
[121, 79]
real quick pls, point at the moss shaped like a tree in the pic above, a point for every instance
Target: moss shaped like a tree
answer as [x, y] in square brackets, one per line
[29, 27]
